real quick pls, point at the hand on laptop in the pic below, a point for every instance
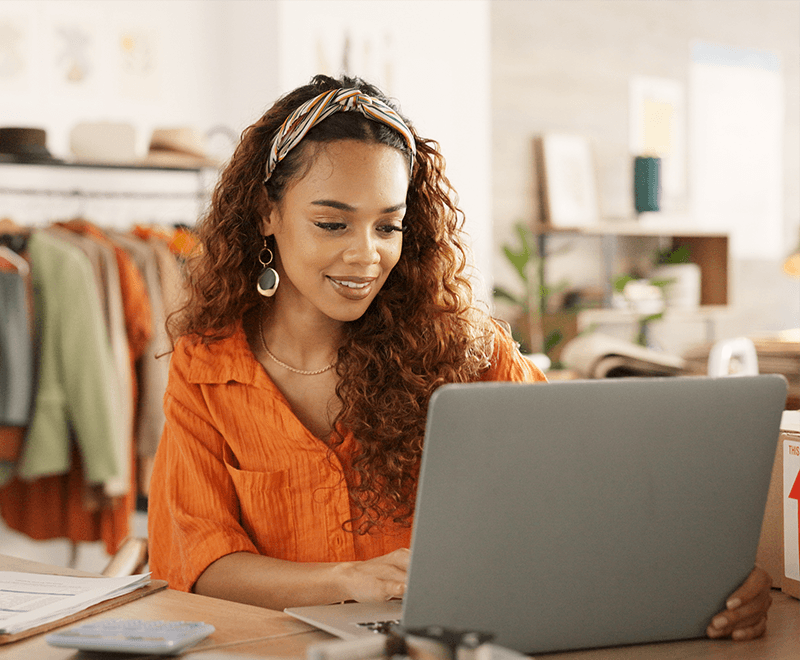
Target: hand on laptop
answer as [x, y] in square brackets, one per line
[746, 614]
[378, 579]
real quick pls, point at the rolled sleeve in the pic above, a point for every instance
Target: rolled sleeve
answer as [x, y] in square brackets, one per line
[193, 511]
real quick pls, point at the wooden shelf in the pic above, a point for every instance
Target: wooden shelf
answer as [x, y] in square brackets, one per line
[588, 317]
[628, 228]
[9, 160]
[709, 250]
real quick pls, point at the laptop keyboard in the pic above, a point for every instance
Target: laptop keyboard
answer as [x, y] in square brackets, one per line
[382, 627]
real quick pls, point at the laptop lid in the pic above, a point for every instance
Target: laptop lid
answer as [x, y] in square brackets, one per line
[590, 513]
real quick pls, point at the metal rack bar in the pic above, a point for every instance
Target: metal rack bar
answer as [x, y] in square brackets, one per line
[94, 194]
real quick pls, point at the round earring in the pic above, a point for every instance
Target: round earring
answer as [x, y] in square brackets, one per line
[268, 281]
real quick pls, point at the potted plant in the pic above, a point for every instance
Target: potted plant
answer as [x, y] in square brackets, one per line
[681, 277]
[531, 323]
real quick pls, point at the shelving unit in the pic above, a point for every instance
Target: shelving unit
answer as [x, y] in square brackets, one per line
[709, 250]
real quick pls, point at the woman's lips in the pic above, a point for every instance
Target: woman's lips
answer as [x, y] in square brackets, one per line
[352, 288]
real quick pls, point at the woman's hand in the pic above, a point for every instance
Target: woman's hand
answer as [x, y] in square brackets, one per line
[381, 578]
[746, 614]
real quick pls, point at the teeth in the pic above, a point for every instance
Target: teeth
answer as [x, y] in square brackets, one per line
[352, 285]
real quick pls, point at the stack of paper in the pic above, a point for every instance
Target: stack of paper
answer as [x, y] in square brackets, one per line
[777, 354]
[28, 600]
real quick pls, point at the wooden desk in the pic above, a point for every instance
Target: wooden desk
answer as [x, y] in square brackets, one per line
[247, 631]
[240, 629]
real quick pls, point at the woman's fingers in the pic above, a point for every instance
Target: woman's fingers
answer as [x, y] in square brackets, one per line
[758, 582]
[381, 578]
[746, 613]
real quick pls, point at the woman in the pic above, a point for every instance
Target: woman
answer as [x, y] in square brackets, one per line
[329, 301]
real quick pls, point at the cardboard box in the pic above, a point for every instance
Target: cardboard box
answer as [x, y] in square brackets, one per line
[778, 551]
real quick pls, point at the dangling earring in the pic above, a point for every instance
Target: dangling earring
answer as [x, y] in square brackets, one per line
[268, 280]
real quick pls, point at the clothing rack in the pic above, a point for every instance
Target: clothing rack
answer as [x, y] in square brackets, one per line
[113, 196]
[101, 194]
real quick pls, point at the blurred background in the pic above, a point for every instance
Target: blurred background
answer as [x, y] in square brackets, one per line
[547, 111]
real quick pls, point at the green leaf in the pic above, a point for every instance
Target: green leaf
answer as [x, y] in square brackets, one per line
[621, 280]
[680, 255]
[504, 294]
[518, 260]
[552, 340]
[525, 235]
[662, 283]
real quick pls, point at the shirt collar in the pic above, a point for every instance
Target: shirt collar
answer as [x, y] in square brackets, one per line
[228, 359]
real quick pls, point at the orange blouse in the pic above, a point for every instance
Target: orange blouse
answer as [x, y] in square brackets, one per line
[236, 471]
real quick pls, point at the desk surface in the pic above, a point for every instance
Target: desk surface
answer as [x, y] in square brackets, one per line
[244, 630]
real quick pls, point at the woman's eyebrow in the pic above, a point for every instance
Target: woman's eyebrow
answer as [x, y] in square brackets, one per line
[341, 206]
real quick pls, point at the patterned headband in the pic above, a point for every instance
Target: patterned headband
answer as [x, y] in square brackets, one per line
[299, 122]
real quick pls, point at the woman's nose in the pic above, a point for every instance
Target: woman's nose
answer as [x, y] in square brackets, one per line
[362, 250]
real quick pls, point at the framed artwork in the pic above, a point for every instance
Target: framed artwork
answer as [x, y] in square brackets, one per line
[566, 180]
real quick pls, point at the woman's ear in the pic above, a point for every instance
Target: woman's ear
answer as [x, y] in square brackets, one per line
[269, 215]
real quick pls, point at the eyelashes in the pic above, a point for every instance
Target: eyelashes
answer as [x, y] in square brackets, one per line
[339, 226]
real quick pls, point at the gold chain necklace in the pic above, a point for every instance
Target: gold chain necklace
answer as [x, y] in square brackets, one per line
[283, 364]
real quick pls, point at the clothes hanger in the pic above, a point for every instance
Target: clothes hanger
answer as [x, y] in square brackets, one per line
[18, 262]
[8, 226]
[13, 236]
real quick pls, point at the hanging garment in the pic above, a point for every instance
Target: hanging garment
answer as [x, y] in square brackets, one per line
[16, 359]
[151, 370]
[162, 271]
[109, 291]
[70, 445]
[76, 384]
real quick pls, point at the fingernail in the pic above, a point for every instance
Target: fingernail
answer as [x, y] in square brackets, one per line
[733, 603]
[719, 622]
[738, 634]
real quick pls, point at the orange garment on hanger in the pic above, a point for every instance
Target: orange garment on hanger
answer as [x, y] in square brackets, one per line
[181, 242]
[56, 507]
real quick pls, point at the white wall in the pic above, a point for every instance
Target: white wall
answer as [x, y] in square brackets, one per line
[166, 76]
[433, 56]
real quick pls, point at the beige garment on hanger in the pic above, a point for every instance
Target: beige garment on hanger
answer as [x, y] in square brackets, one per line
[109, 291]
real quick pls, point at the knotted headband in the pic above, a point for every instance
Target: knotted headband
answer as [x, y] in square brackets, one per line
[299, 122]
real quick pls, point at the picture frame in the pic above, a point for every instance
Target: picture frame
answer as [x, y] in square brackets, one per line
[566, 180]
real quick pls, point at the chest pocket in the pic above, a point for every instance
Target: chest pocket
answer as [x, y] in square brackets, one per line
[266, 509]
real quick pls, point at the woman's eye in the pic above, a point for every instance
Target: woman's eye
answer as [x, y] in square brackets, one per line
[390, 229]
[331, 226]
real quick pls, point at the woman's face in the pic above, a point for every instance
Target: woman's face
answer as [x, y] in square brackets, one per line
[337, 228]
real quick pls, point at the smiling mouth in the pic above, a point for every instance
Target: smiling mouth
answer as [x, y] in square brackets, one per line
[356, 288]
[351, 285]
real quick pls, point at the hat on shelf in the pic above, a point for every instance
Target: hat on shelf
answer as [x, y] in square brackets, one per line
[25, 145]
[103, 142]
[178, 147]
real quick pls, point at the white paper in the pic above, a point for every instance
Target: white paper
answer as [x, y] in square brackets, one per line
[31, 599]
[570, 176]
[791, 542]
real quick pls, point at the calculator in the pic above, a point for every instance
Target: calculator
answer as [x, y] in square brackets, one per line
[132, 636]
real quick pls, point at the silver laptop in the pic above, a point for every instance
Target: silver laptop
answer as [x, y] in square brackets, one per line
[583, 514]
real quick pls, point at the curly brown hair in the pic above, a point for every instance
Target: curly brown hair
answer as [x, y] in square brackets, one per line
[422, 330]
